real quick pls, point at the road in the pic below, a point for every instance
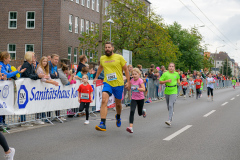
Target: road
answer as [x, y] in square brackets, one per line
[213, 137]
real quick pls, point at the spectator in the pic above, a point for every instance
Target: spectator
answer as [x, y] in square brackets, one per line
[63, 72]
[85, 70]
[6, 67]
[101, 76]
[53, 66]
[139, 66]
[70, 73]
[34, 64]
[83, 60]
[2, 76]
[150, 73]
[130, 68]
[49, 58]
[194, 74]
[162, 70]
[152, 66]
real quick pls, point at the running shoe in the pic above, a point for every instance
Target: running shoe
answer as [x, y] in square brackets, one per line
[208, 99]
[10, 155]
[101, 127]
[144, 113]
[86, 122]
[168, 123]
[129, 129]
[118, 121]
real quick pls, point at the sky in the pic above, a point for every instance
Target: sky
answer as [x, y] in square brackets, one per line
[224, 28]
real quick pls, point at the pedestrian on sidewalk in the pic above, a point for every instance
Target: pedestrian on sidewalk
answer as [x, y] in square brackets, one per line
[137, 87]
[198, 82]
[171, 79]
[9, 152]
[210, 85]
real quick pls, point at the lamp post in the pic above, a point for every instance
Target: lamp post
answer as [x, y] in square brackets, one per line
[216, 57]
[111, 22]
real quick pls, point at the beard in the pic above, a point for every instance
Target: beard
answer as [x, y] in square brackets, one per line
[108, 53]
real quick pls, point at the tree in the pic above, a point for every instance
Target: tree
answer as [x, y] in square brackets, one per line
[208, 63]
[224, 70]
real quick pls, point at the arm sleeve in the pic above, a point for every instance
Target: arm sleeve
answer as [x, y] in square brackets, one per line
[122, 61]
[162, 78]
[9, 75]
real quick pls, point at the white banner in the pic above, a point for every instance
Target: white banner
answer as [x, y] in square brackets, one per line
[6, 98]
[36, 96]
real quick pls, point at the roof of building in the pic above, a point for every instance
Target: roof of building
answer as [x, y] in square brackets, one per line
[220, 56]
[148, 1]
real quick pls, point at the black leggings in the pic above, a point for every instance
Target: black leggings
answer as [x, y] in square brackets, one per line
[135, 103]
[3, 143]
[86, 106]
[209, 90]
[198, 92]
[184, 91]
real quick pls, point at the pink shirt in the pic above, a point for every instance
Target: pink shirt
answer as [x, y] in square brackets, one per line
[137, 95]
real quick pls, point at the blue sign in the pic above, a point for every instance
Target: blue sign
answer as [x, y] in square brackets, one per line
[22, 97]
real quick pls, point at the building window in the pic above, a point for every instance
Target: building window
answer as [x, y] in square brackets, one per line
[30, 20]
[217, 62]
[97, 9]
[77, 1]
[106, 5]
[96, 27]
[91, 57]
[29, 47]
[75, 55]
[88, 3]
[76, 24]
[12, 51]
[81, 52]
[87, 27]
[93, 4]
[12, 21]
[72, 0]
[83, 2]
[69, 53]
[82, 26]
[92, 26]
[70, 23]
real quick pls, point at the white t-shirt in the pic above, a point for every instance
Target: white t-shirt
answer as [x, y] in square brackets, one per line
[209, 84]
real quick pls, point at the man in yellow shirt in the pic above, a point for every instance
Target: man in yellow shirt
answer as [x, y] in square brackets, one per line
[113, 65]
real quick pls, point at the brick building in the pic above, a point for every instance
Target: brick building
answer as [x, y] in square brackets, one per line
[47, 26]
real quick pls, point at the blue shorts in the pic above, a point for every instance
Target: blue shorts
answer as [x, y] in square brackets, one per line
[116, 91]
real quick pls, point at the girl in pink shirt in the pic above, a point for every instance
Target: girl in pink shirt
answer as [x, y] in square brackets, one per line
[137, 87]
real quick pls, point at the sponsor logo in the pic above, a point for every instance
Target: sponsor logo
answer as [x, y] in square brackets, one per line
[22, 97]
[5, 91]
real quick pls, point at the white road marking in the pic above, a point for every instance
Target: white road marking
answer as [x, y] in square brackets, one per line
[224, 103]
[232, 99]
[206, 115]
[177, 133]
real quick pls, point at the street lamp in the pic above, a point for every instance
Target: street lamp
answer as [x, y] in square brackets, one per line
[111, 22]
[216, 58]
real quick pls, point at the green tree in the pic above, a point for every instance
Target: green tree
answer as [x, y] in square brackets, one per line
[208, 63]
[226, 69]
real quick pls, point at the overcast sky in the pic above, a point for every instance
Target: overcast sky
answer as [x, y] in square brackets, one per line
[224, 14]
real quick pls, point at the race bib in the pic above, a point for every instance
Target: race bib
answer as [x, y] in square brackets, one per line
[84, 96]
[184, 86]
[135, 88]
[111, 77]
[198, 83]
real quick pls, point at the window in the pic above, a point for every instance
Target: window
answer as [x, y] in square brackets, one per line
[87, 27]
[75, 55]
[30, 20]
[106, 5]
[12, 51]
[69, 53]
[217, 62]
[96, 27]
[12, 21]
[86, 53]
[70, 23]
[97, 9]
[83, 2]
[88, 3]
[92, 26]
[93, 4]
[81, 52]
[29, 47]
[77, 1]
[76, 24]
[72, 0]
[82, 26]
[91, 57]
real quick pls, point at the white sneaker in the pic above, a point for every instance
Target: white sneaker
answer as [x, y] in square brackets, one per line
[38, 121]
[10, 155]
[168, 123]
[129, 129]
[63, 119]
[185, 97]
[86, 122]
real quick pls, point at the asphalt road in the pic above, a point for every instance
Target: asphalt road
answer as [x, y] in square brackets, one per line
[194, 137]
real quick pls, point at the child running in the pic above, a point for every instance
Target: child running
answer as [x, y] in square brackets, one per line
[234, 82]
[85, 96]
[198, 82]
[191, 83]
[184, 85]
[201, 89]
[137, 87]
[210, 85]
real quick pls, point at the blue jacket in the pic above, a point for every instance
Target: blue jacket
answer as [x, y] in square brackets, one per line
[6, 70]
[52, 70]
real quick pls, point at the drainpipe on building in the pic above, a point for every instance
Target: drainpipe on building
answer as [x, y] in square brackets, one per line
[42, 28]
[100, 30]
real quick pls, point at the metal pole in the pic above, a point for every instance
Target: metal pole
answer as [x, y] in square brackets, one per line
[100, 30]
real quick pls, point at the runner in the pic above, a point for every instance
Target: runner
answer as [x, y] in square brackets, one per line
[234, 82]
[113, 65]
[184, 85]
[9, 152]
[171, 79]
[201, 89]
[198, 82]
[191, 83]
[210, 85]
[137, 97]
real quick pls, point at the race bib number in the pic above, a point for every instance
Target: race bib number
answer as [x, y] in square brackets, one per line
[84, 96]
[111, 77]
[135, 88]
[198, 83]
[184, 86]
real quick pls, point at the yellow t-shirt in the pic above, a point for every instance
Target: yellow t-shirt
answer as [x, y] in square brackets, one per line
[112, 67]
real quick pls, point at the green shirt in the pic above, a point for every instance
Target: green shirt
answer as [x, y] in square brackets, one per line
[201, 86]
[174, 77]
[233, 82]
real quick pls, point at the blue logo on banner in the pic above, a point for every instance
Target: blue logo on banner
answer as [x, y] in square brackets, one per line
[5, 91]
[22, 97]
[93, 91]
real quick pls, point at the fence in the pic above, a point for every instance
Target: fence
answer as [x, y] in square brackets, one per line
[154, 91]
